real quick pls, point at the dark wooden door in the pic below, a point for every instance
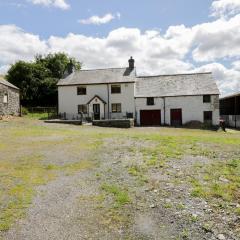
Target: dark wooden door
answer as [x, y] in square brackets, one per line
[207, 115]
[176, 117]
[150, 117]
[96, 111]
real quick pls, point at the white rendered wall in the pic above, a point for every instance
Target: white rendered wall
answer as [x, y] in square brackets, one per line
[141, 104]
[192, 108]
[69, 100]
[126, 98]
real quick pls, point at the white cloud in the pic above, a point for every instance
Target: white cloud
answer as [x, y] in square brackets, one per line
[228, 79]
[225, 8]
[62, 4]
[16, 44]
[155, 53]
[236, 65]
[216, 40]
[97, 20]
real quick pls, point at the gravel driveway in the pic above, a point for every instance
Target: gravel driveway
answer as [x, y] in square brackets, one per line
[75, 205]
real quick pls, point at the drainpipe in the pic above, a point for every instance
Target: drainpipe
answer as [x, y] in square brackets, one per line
[108, 102]
[164, 110]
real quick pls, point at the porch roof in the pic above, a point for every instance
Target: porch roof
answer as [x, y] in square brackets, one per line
[96, 96]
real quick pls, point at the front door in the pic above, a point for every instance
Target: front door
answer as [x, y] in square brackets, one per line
[176, 117]
[96, 111]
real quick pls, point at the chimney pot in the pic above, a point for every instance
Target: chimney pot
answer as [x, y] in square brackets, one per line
[131, 62]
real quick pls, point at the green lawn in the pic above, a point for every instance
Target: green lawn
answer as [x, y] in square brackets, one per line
[26, 162]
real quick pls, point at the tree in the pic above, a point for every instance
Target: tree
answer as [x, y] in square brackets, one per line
[38, 80]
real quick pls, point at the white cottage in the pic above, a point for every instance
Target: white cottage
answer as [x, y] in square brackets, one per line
[118, 93]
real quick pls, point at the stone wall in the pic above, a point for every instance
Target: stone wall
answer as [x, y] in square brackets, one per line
[117, 123]
[12, 107]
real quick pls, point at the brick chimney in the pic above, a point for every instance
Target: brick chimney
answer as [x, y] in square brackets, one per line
[131, 62]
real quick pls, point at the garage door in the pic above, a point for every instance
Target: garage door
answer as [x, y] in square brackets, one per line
[176, 117]
[150, 117]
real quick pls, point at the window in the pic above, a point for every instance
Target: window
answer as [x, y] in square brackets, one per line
[207, 116]
[116, 108]
[150, 101]
[206, 98]
[115, 89]
[82, 108]
[5, 98]
[81, 90]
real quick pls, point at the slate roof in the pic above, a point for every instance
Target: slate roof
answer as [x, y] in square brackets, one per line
[99, 76]
[147, 86]
[6, 83]
[176, 85]
[237, 94]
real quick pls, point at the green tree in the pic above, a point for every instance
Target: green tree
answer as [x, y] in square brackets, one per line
[38, 80]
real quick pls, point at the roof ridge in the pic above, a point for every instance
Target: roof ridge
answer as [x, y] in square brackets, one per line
[94, 69]
[179, 74]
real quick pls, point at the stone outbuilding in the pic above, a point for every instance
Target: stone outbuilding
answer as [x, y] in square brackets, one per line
[9, 98]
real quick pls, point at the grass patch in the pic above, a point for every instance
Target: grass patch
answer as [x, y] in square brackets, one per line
[121, 197]
[17, 182]
[40, 116]
[76, 167]
[138, 171]
[219, 180]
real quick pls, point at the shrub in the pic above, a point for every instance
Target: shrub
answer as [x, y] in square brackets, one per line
[24, 111]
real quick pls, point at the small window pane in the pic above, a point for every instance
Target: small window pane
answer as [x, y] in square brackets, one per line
[5, 98]
[115, 89]
[82, 109]
[116, 108]
[150, 101]
[81, 91]
[206, 98]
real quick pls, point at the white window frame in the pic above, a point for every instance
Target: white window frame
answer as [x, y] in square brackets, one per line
[5, 98]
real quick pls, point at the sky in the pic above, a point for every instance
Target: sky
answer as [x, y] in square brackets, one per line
[163, 36]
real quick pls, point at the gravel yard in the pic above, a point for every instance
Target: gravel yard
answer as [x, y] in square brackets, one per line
[81, 182]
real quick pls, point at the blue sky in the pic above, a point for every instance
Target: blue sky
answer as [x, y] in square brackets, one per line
[144, 14]
[171, 36]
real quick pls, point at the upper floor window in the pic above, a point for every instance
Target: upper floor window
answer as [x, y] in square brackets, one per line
[5, 98]
[81, 90]
[116, 107]
[82, 108]
[115, 89]
[206, 98]
[150, 101]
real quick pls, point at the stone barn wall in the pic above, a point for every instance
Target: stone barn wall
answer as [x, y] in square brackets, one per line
[12, 107]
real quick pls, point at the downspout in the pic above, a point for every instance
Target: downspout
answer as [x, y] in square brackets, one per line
[108, 102]
[164, 110]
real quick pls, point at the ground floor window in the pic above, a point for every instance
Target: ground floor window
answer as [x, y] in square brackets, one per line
[207, 115]
[82, 108]
[116, 108]
[5, 98]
